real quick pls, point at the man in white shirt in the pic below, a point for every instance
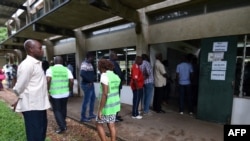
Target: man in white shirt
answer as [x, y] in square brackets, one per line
[160, 82]
[31, 89]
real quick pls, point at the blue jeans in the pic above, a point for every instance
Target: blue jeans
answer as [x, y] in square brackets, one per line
[137, 94]
[59, 107]
[147, 96]
[88, 99]
[186, 90]
[35, 125]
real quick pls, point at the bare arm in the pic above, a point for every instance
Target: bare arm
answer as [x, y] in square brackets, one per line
[48, 82]
[71, 83]
[103, 99]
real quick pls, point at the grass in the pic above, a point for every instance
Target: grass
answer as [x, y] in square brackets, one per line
[11, 125]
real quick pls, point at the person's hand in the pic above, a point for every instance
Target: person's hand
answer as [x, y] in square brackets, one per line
[99, 115]
[14, 105]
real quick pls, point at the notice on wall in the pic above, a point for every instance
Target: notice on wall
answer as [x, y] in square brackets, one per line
[215, 56]
[219, 65]
[220, 46]
[218, 75]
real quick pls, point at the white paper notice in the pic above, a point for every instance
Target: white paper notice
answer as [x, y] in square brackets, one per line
[218, 75]
[220, 46]
[219, 65]
[218, 56]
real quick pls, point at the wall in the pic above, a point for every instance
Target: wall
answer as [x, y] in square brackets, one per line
[125, 38]
[65, 48]
[228, 22]
[240, 111]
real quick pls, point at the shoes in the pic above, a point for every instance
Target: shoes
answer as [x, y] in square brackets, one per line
[85, 120]
[59, 131]
[92, 116]
[161, 111]
[137, 117]
[147, 113]
[181, 113]
[118, 120]
[190, 113]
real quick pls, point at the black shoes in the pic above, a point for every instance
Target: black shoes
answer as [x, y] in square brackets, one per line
[59, 131]
[118, 119]
[161, 111]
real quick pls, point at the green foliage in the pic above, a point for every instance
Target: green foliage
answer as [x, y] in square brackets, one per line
[12, 125]
[3, 34]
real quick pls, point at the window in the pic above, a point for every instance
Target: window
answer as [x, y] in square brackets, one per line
[125, 56]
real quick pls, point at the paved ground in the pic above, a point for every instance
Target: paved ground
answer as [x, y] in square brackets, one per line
[170, 126]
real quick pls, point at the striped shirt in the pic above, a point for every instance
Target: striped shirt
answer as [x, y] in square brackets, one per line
[147, 71]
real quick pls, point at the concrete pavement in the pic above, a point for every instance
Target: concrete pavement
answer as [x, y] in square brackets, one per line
[169, 126]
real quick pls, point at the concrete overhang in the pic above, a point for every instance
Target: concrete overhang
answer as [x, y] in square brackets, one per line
[73, 14]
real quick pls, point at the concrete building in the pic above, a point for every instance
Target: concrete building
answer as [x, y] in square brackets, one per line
[216, 32]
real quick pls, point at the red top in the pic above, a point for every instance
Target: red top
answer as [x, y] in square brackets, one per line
[136, 76]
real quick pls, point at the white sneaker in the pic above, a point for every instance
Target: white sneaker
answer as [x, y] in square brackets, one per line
[137, 117]
[190, 113]
[181, 113]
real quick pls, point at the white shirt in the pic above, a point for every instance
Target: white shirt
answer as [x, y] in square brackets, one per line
[159, 70]
[31, 86]
[70, 76]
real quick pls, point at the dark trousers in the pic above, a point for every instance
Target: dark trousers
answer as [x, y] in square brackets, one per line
[60, 111]
[35, 125]
[158, 96]
[137, 95]
[186, 90]
[117, 113]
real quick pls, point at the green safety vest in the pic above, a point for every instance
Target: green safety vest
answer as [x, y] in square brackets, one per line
[59, 80]
[113, 100]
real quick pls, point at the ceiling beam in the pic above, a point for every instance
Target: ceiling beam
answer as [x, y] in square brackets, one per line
[117, 9]
[53, 30]
[12, 4]
[20, 40]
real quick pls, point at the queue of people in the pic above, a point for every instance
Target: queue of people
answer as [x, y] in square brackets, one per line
[50, 86]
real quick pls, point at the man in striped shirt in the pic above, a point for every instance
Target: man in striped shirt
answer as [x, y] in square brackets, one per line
[148, 83]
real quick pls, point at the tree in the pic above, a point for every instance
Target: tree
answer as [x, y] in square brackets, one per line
[3, 34]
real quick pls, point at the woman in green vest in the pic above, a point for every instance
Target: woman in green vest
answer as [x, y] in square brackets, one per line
[109, 99]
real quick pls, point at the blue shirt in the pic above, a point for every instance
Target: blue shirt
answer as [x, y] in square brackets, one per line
[184, 70]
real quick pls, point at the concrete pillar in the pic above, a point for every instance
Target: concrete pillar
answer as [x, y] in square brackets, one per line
[17, 23]
[49, 50]
[141, 30]
[28, 15]
[81, 50]
[47, 5]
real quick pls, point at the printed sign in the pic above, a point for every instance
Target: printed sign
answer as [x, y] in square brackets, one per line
[220, 46]
[218, 75]
[219, 65]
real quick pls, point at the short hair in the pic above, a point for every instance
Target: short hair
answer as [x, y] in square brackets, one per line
[105, 64]
[145, 57]
[112, 55]
[89, 54]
